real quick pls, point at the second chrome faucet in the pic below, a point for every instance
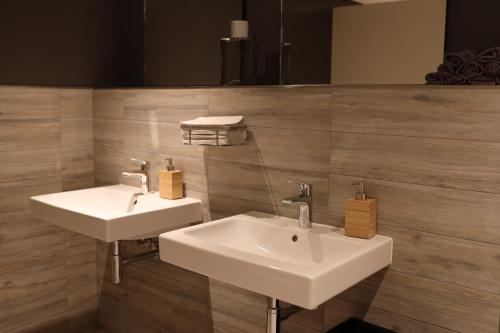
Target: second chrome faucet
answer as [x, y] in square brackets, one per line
[304, 201]
[143, 174]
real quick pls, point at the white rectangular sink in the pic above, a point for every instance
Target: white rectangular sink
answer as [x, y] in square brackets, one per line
[272, 256]
[108, 213]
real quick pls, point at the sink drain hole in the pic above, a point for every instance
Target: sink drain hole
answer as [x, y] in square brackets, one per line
[295, 238]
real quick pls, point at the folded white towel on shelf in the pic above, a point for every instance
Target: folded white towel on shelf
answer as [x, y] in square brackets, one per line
[214, 131]
[238, 138]
[194, 131]
[214, 121]
[236, 134]
[222, 142]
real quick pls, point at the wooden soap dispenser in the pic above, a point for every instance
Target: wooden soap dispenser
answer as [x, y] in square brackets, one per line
[361, 214]
[170, 182]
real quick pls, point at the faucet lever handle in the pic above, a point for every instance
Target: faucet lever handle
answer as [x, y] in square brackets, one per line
[303, 188]
[142, 163]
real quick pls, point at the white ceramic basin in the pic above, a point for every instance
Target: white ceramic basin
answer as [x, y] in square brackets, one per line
[272, 256]
[108, 213]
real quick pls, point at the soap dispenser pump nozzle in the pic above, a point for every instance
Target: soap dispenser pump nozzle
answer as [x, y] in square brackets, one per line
[360, 194]
[170, 166]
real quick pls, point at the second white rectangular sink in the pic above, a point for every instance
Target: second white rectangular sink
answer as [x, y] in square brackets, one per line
[115, 212]
[272, 256]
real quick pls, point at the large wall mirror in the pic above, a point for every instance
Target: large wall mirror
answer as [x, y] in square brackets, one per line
[292, 41]
[312, 41]
[162, 43]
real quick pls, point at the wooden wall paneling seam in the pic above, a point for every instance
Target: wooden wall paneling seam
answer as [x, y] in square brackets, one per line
[437, 162]
[460, 213]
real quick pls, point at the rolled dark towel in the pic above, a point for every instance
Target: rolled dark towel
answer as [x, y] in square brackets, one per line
[455, 79]
[481, 80]
[489, 55]
[434, 78]
[493, 69]
[456, 59]
[445, 70]
[497, 80]
[471, 69]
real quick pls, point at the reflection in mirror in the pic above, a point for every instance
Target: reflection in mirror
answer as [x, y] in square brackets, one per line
[388, 43]
[292, 42]
[181, 40]
[189, 42]
[306, 40]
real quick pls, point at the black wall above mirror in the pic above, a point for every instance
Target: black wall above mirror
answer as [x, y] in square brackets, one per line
[131, 43]
[64, 43]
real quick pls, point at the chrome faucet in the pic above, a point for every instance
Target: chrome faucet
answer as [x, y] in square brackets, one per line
[304, 202]
[144, 174]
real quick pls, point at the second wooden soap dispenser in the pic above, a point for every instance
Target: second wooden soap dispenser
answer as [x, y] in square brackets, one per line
[361, 215]
[170, 182]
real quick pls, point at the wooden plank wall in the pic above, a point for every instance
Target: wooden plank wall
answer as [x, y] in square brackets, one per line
[154, 296]
[430, 155]
[47, 275]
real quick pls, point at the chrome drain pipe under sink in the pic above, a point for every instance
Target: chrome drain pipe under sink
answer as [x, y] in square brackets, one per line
[117, 262]
[273, 315]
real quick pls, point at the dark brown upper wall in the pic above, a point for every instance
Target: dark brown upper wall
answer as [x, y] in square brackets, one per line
[63, 43]
[472, 25]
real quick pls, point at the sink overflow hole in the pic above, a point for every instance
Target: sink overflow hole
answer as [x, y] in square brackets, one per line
[295, 238]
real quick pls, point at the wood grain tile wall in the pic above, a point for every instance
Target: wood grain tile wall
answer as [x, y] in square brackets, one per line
[154, 297]
[47, 275]
[428, 154]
